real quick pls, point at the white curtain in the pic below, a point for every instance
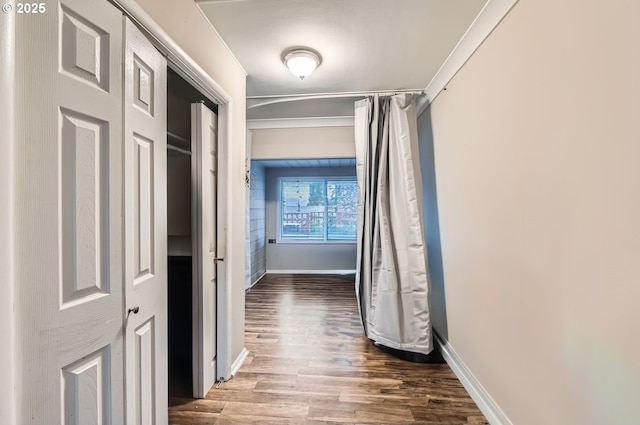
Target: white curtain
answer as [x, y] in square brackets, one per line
[392, 281]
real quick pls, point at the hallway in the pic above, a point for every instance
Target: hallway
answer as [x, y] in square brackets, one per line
[309, 363]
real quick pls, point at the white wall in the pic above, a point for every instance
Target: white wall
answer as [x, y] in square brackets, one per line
[309, 142]
[536, 143]
[183, 21]
[303, 257]
[257, 227]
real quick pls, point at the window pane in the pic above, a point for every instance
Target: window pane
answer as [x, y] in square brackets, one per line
[302, 209]
[342, 212]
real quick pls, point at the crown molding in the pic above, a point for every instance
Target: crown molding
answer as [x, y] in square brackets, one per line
[487, 20]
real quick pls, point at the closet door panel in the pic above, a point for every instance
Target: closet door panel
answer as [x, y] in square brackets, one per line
[145, 187]
[206, 263]
[69, 246]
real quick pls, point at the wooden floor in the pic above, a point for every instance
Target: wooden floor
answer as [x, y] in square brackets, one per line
[310, 363]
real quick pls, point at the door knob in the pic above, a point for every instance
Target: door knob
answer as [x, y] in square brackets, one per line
[133, 310]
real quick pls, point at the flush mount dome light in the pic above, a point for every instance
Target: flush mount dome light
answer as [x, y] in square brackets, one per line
[301, 62]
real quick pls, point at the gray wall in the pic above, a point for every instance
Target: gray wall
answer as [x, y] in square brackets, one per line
[257, 222]
[301, 257]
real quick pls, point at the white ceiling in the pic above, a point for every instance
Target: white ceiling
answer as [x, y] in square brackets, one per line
[366, 46]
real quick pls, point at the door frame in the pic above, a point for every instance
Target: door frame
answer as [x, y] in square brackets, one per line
[187, 68]
[7, 316]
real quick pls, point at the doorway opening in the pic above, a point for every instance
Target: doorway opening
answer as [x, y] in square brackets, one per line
[301, 217]
[181, 333]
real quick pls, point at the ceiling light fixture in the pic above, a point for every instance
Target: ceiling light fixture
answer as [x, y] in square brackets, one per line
[301, 61]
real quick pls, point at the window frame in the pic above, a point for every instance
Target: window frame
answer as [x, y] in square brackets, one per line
[324, 241]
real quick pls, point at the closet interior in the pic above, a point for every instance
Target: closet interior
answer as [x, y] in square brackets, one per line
[180, 96]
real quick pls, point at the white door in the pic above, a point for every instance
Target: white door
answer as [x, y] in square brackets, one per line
[145, 162]
[68, 258]
[204, 168]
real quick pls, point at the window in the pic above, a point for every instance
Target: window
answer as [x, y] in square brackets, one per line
[319, 209]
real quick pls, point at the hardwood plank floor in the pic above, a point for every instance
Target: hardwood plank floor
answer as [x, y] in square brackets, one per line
[310, 364]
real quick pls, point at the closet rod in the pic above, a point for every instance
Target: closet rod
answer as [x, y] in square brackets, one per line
[296, 98]
[178, 137]
[329, 95]
[177, 149]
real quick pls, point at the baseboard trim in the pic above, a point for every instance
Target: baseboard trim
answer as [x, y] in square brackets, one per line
[487, 405]
[256, 281]
[239, 361]
[310, 271]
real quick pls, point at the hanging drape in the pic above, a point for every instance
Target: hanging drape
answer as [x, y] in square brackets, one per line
[392, 283]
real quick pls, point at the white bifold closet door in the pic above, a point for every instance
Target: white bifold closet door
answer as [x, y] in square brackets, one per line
[69, 234]
[145, 197]
[204, 170]
[91, 237]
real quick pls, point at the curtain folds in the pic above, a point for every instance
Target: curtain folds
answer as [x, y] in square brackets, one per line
[392, 280]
